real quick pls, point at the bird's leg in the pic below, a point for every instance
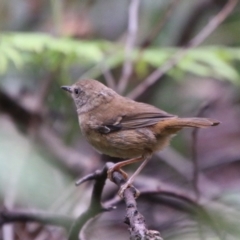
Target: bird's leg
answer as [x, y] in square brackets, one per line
[130, 180]
[117, 167]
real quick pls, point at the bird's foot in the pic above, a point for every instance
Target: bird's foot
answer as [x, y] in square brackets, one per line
[116, 168]
[125, 186]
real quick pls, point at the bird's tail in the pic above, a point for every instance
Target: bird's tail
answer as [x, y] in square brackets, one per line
[192, 122]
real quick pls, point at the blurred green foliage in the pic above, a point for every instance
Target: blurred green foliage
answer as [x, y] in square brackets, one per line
[22, 49]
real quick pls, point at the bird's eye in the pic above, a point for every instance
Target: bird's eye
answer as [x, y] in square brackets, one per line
[76, 91]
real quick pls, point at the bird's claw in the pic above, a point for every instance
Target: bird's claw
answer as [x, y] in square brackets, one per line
[124, 187]
[112, 169]
[127, 184]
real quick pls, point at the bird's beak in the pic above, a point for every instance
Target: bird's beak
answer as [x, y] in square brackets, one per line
[67, 88]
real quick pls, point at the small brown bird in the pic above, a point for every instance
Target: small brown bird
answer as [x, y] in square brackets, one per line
[123, 128]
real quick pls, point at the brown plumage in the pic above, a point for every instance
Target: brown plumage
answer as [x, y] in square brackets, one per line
[123, 128]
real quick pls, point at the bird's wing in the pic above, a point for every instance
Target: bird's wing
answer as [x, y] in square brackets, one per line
[143, 119]
[146, 116]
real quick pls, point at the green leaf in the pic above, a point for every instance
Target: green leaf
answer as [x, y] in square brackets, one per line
[156, 57]
[3, 63]
[14, 56]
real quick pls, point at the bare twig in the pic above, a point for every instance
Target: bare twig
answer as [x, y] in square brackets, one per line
[172, 197]
[135, 220]
[130, 43]
[43, 91]
[39, 103]
[195, 16]
[197, 40]
[18, 112]
[57, 7]
[155, 31]
[186, 203]
[183, 201]
[95, 206]
[91, 176]
[108, 76]
[40, 217]
[69, 157]
[184, 167]
[213, 23]
[166, 195]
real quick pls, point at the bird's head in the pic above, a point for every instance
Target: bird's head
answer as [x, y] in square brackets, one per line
[88, 94]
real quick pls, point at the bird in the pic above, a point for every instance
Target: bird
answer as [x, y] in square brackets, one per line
[121, 127]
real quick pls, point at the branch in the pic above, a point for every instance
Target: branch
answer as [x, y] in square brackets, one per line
[108, 76]
[186, 203]
[184, 167]
[197, 13]
[24, 117]
[40, 217]
[95, 206]
[17, 111]
[70, 158]
[135, 220]
[131, 41]
[157, 29]
[175, 59]
[44, 89]
[166, 195]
